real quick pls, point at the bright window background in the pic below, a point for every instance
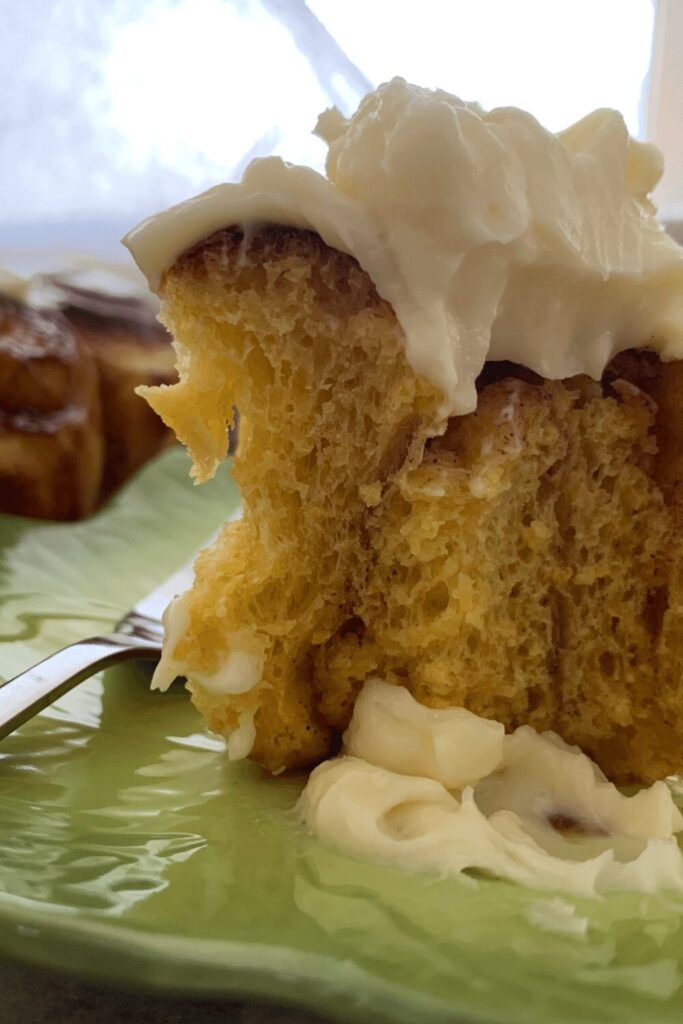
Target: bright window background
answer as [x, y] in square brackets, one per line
[117, 108]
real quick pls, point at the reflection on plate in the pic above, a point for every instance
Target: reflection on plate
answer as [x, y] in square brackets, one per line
[131, 849]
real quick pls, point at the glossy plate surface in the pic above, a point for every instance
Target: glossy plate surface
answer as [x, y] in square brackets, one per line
[131, 849]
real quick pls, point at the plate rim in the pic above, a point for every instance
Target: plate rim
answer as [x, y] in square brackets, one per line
[214, 968]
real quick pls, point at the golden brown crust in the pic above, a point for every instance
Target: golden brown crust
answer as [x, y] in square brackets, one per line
[38, 359]
[127, 353]
[72, 428]
[339, 283]
[51, 452]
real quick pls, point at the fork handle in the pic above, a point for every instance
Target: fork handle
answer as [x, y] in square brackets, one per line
[30, 692]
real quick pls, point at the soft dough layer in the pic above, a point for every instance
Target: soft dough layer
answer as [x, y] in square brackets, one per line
[528, 570]
[295, 336]
[525, 563]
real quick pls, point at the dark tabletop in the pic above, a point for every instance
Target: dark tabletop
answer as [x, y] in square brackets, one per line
[31, 995]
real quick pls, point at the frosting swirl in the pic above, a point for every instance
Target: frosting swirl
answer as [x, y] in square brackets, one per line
[491, 237]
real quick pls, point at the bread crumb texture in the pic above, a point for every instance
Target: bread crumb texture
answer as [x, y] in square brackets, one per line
[523, 561]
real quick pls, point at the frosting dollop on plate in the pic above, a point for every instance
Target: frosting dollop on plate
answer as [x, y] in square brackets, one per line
[448, 792]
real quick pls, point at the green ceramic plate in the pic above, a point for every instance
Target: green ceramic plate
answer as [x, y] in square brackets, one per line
[131, 849]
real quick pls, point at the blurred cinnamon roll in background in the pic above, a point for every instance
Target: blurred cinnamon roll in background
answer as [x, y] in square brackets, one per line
[74, 345]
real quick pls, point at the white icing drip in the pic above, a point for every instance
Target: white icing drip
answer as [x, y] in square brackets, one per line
[242, 739]
[240, 672]
[176, 619]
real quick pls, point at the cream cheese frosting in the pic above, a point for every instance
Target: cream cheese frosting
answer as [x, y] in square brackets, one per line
[239, 672]
[491, 237]
[429, 791]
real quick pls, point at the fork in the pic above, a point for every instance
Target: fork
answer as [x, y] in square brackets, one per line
[139, 634]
